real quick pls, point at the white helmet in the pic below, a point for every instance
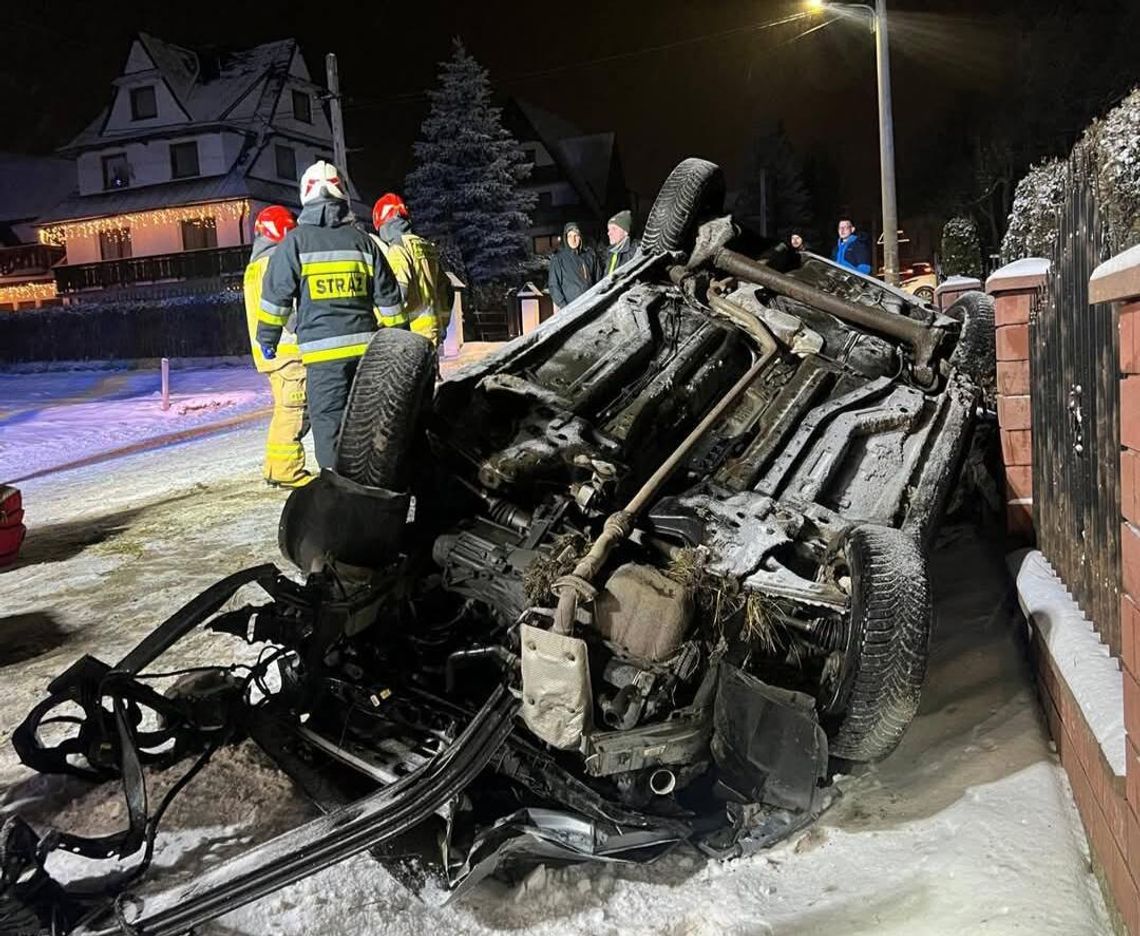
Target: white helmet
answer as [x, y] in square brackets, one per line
[321, 180]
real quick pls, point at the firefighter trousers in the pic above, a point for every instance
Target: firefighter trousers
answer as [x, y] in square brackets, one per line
[284, 454]
[329, 383]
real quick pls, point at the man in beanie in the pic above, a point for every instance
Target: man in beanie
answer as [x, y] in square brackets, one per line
[622, 246]
[573, 269]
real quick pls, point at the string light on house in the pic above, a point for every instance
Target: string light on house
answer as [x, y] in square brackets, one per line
[27, 292]
[202, 214]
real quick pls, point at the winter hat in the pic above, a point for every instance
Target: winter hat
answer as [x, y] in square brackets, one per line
[623, 219]
[571, 226]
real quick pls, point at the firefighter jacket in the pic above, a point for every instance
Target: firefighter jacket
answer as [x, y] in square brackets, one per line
[337, 276]
[287, 350]
[424, 285]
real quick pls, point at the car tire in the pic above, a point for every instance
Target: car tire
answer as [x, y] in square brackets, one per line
[975, 355]
[378, 433]
[888, 643]
[925, 294]
[692, 193]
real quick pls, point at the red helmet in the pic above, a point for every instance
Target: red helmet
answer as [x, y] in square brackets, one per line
[387, 207]
[274, 222]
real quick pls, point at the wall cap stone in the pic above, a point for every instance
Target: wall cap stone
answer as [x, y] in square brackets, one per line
[957, 284]
[1027, 273]
[1117, 278]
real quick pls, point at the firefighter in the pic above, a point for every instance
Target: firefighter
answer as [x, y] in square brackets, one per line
[284, 464]
[415, 262]
[337, 276]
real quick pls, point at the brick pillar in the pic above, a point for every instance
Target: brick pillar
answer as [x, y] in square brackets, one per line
[951, 288]
[1014, 288]
[1118, 280]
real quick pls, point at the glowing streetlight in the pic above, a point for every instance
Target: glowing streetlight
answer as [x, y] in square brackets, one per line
[878, 18]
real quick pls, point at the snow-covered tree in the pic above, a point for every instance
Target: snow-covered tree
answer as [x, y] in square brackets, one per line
[775, 187]
[1032, 225]
[961, 248]
[464, 191]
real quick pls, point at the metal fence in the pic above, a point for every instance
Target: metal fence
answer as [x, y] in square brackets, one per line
[1074, 370]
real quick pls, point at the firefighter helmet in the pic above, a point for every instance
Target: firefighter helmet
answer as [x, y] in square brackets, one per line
[322, 180]
[387, 207]
[274, 223]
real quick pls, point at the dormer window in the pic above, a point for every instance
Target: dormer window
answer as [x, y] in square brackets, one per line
[286, 163]
[116, 171]
[143, 103]
[184, 160]
[302, 107]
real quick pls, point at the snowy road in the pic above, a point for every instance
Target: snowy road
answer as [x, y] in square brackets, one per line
[968, 828]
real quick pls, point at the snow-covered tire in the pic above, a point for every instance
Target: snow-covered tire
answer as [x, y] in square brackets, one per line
[975, 355]
[393, 382]
[889, 641]
[693, 193]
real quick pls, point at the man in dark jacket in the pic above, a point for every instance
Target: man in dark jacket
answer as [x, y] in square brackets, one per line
[573, 268]
[339, 279]
[622, 246]
[852, 249]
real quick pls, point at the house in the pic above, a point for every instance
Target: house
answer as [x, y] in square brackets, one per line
[29, 186]
[169, 177]
[576, 177]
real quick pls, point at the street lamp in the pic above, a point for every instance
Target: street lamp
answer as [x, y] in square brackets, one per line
[878, 20]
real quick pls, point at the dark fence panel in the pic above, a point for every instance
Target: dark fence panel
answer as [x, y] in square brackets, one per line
[1074, 369]
[218, 262]
[197, 326]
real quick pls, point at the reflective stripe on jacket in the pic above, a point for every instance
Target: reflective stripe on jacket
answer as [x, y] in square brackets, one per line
[251, 286]
[337, 276]
[416, 264]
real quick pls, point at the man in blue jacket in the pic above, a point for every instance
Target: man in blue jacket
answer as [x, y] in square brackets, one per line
[852, 249]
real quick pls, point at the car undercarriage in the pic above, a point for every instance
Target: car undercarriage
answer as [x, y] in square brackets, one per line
[648, 575]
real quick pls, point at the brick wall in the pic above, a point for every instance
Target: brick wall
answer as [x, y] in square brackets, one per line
[1014, 288]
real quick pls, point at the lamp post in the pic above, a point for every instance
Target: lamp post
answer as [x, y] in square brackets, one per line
[878, 21]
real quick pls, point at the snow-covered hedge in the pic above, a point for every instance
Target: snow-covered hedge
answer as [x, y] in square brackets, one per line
[1111, 144]
[961, 248]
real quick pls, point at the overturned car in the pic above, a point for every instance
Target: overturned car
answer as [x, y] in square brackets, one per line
[643, 576]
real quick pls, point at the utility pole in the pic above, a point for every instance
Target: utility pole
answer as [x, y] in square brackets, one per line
[886, 147]
[336, 121]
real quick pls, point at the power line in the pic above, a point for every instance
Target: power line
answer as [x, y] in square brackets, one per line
[359, 104]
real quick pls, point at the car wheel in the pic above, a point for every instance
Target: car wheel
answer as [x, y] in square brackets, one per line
[393, 382]
[975, 355]
[693, 192]
[924, 294]
[883, 663]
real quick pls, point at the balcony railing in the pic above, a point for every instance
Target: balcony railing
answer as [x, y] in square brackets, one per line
[217, 263]
[28, 259]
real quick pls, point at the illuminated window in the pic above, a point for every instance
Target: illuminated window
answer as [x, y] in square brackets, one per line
[115, 244]
[546, 244]
[116, 171]
[302, 107]
[184, 160]
[286, 163]
[143, 103]
[199, 233]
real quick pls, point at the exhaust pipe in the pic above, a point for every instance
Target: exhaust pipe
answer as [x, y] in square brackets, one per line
[662, 782]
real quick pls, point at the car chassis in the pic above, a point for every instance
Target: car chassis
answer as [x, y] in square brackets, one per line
[665, 568]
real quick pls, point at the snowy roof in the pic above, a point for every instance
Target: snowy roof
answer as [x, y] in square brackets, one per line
[207, 85]
[31, 185]
[189, 192]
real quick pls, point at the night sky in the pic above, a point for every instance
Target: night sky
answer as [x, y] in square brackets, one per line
[718, 78]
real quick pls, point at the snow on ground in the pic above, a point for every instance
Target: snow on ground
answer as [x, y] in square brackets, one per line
[968, 828]
[56, 418]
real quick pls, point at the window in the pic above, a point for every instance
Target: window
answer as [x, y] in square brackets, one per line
[286, 163]
[183, 160]
[199, 233]
[116, 171]
[302, 107]
[546, 244]
[115, 244]
[143, 103]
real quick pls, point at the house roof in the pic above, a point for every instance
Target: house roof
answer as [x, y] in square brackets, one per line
[169, 194]
[30, 185]
[208, 85]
